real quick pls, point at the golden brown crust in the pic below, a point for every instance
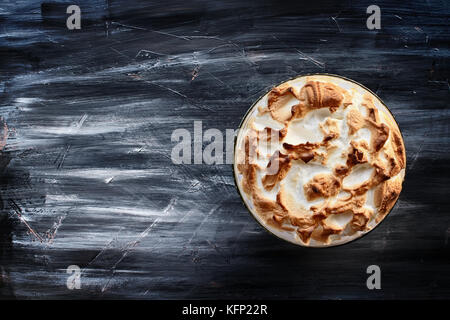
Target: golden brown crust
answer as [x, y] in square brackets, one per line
[384, 154]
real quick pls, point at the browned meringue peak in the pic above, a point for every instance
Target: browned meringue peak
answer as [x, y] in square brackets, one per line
[349, 204]
[357, 153]
[320, 212]
[277, 100]
[277, 168]
[313, 95]
[379, 130]
[272, 212]
[324, 230]
[385, 170]
[297, 216]
[398, 147]
[322, 185]
[267, 134]
[372, 111]
[361, 217]
[246, 166]
[355, 121]
[380, 133]
[305, 227]
[341, 170]
[316, 95]
[303, 151]
[356, 219]
[386, 195]
[308, 151]
[330, 129]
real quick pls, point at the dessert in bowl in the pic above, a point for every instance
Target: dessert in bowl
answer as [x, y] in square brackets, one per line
[319, 160]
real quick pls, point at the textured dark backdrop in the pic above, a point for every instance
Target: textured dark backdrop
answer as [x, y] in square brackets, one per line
[90, 115]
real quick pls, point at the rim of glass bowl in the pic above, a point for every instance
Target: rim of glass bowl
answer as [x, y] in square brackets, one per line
[235, 173]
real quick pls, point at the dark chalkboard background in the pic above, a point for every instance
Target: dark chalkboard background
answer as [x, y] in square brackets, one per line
[87, 166]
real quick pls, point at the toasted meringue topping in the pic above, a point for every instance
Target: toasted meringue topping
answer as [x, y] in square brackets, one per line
[319, 160]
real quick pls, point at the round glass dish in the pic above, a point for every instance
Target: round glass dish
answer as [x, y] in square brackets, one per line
[357, 90]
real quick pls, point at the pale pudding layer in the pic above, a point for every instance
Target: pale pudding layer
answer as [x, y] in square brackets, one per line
[319, 160]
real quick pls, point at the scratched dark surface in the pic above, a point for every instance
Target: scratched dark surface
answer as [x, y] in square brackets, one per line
[88, 166]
